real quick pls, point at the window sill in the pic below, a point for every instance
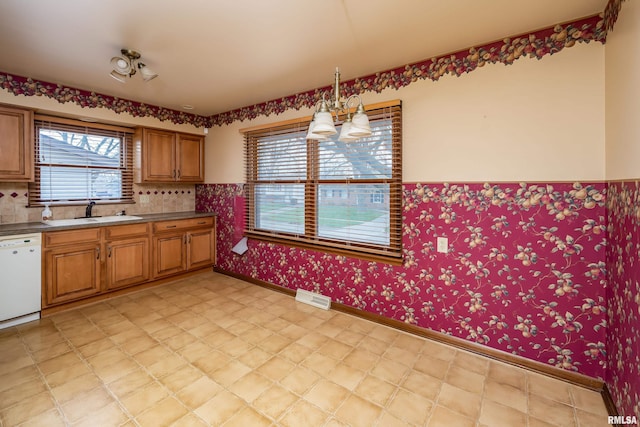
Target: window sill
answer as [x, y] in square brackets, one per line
[332, 248]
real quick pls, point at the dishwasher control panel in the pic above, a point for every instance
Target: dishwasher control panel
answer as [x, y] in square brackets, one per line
[12, 241]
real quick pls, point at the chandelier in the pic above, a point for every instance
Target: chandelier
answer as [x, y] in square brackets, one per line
[322, 125]
[126, 65]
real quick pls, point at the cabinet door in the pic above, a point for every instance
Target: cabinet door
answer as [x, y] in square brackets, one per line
[190, 158]
[127, 262]
[16, 145]
[201, 248]
[158, 152]
[72, 273]
[170, 254]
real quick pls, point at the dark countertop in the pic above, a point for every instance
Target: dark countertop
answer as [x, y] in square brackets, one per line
[38, 227]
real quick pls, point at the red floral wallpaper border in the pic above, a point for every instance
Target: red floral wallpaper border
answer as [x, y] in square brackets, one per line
[623, 295]
[18, 85]
[611, 12]
[533, 45]
[525, 272]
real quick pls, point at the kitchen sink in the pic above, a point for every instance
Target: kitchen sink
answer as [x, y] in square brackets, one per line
[92, 220]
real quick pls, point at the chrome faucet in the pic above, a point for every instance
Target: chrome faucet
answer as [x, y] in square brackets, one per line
[87, 212]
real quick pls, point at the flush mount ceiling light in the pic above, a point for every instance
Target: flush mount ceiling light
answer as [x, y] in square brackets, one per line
[353, 128]
[126, 66]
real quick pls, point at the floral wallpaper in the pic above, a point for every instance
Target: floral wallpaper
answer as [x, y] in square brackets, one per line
[623, 308]
[18, 85]
[524, 273]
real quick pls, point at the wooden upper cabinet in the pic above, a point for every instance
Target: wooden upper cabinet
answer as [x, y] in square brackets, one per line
[16, 144]
[158, 155]
[190, 158]
[164, 156]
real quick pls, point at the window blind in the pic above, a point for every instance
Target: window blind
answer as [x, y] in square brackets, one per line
[338, 195]
[76, 163]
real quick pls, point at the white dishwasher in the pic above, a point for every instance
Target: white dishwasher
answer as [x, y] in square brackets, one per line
[20, 279]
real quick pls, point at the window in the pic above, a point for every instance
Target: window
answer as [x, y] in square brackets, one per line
[377, 197]
[76, 163]
[344, 197]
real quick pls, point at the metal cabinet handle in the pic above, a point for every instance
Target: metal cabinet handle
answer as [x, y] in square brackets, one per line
[185, 239]
[109, 254]
[178, 173]
[170, 226]
[202, 222]
[97, 253]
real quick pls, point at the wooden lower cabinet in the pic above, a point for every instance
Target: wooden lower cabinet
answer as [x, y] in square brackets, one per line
[127, 262]
[72, 273]
[169, 254]
[82, 263]
[201, 248]
[183, 245]
[179, 252]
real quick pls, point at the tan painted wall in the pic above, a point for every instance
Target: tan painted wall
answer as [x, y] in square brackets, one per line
[530, 121]
[622, 85]
[533, 120]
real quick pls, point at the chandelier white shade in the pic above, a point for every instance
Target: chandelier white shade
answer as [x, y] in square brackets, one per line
[126, 66]
[311, 134]
[147, 74]
[322, 125]
[345, 134]
[360, 123]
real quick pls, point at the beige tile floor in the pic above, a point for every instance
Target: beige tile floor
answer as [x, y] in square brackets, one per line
[213, 350]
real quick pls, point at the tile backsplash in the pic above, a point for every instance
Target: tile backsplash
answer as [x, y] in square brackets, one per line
[162, 198]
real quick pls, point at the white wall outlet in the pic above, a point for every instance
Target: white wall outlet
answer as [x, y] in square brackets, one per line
[144, 198]
[443, 245]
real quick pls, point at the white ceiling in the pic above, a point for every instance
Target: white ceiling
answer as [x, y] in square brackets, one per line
[218, 55]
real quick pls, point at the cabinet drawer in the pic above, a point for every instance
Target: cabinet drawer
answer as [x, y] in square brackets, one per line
[182, 224]
[125, 231]
[71, 237]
